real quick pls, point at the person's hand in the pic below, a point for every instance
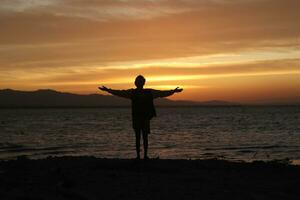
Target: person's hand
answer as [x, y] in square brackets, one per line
[178, 90]
[103, 88]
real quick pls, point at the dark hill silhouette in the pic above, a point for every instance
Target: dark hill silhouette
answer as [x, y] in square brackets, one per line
[52, 98]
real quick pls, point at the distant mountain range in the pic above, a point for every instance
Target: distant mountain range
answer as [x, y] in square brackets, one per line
[51, 98]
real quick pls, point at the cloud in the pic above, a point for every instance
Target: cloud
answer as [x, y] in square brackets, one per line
[105, 10]
[78, 42]
[102, 10]
[115, 75]
[54, 30]
[21, 5]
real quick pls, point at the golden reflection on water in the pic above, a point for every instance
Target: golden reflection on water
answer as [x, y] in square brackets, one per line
[296, 162]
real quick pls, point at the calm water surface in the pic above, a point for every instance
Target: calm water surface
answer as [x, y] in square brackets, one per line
[236, 133]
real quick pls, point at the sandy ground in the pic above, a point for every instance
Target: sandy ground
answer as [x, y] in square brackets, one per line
[83, 178]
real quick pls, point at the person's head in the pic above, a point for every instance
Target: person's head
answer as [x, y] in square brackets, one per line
[139, 81]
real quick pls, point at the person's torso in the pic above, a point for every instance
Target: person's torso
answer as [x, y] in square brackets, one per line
[142, 104]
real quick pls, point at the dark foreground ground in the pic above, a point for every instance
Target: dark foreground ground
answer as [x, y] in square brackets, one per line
[79, 178]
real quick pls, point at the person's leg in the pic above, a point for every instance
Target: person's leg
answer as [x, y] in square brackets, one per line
[146, 131]
[145, 143]
[137, 142]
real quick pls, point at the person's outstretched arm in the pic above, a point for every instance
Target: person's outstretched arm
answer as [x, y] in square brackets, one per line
[119, 93]
[165, 93]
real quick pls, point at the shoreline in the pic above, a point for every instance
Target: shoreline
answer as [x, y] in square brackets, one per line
[101, 178]
[286, 161]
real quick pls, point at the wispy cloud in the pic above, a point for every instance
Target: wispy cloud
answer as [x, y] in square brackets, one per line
[103, 10]
[21, 5]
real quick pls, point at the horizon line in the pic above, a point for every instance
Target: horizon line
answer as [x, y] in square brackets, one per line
[225, 102]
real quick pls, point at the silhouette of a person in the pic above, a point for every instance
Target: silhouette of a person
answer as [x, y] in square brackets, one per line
[142, 107]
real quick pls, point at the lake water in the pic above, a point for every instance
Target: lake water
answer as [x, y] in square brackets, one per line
[234, 133]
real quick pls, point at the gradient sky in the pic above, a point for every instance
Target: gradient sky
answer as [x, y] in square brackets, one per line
[234, 50]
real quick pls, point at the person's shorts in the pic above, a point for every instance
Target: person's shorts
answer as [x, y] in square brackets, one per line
[143, 125]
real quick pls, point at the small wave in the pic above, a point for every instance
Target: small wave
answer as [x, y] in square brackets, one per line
[246, 151]
[49, 153]
[8, 145]
[242, 148]
[11, 147]
[14, 149]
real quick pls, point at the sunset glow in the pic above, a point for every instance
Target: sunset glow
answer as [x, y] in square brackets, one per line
[241, 51]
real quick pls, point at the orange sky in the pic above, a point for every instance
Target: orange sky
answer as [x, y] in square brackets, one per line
[235, 50]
